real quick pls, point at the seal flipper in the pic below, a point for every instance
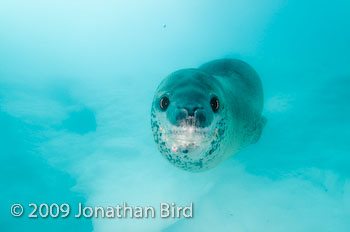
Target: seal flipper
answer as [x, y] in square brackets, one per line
[258, 129]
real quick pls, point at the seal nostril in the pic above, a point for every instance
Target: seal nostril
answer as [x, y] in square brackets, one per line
[188, 115]
[191, 110]
[181, 115]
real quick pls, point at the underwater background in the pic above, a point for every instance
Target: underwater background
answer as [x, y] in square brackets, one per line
[77, 80]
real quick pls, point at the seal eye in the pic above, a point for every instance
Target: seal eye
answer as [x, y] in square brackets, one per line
[164, 103]
[214, 103]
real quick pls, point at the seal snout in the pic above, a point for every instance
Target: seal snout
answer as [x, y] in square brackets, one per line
[191, 115]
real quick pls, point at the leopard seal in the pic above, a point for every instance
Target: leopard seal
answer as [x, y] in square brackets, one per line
[201, 116]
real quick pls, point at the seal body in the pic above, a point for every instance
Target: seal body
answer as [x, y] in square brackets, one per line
[201, 116]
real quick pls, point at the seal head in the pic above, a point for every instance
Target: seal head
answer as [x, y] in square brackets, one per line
[188, 119]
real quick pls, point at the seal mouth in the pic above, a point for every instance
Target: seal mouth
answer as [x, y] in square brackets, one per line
[190, 121]
[189, 132]
[186, 138]
[189, 138]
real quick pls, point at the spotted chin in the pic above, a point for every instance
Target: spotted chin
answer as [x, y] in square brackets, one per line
[188, 139]
[189, 147]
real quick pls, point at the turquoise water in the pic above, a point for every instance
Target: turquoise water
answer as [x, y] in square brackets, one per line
[77, 80]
